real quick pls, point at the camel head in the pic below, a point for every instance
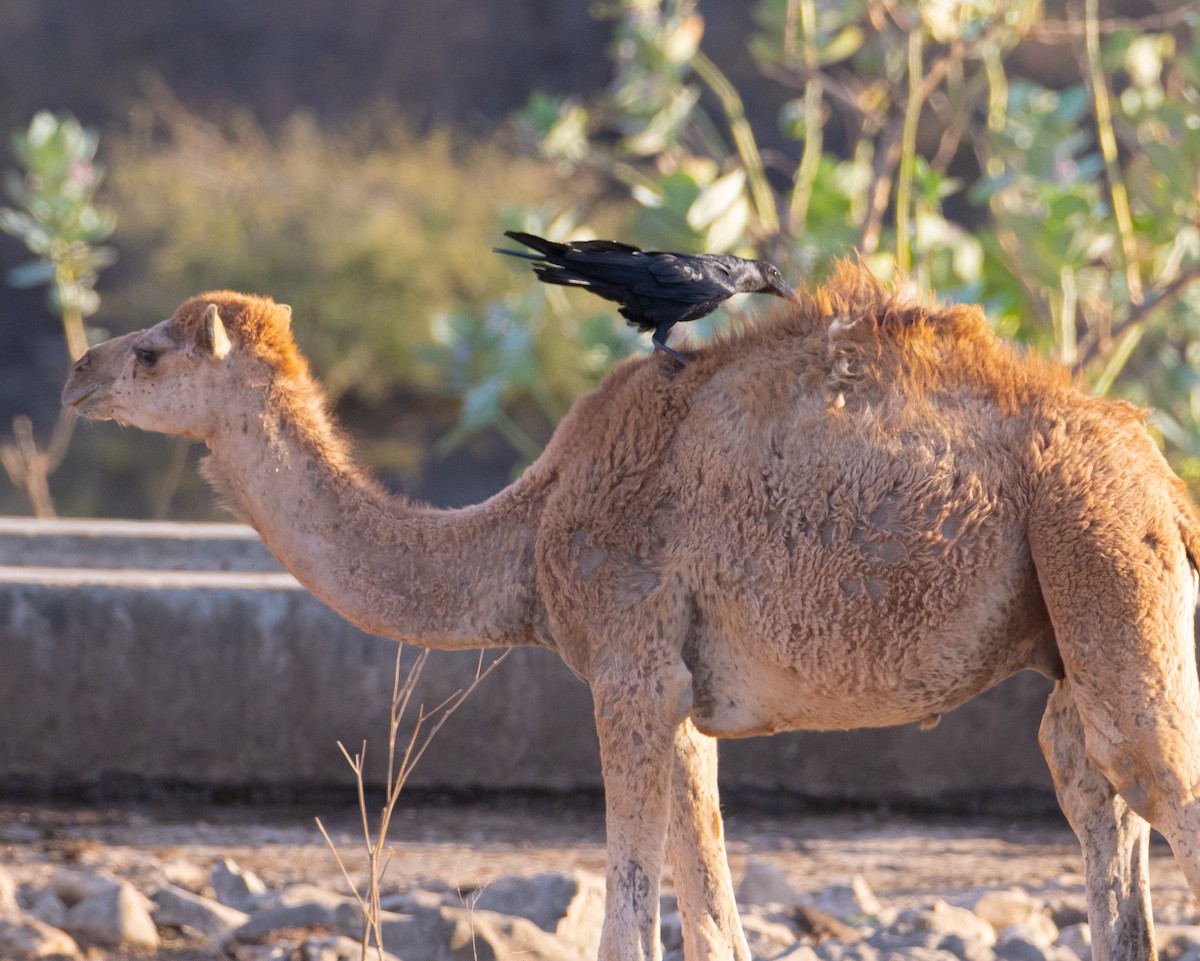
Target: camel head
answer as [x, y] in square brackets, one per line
[180, 376]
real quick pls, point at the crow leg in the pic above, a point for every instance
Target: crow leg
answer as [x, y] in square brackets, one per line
[660, 343]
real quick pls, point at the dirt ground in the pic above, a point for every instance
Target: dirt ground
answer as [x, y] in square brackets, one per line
[906, 860]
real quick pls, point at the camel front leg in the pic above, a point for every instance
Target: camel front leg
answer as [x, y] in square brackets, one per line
[696, 849]
[1114, 838]
[637, 713]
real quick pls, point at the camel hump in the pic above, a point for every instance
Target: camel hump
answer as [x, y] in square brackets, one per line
[882, 341]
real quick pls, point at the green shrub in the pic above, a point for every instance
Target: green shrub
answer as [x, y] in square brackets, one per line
[370, 233]
[1072, 215]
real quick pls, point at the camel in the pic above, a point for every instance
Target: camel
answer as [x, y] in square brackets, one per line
[861, 511]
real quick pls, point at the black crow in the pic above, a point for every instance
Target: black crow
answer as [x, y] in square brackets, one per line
[656, 289]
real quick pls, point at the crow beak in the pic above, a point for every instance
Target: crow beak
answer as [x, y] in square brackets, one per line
[780, 289]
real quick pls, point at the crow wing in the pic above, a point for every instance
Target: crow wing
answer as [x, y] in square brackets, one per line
[655, 289]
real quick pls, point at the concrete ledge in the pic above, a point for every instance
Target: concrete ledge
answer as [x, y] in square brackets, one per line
[253, 685]
[66, 542]
[225, 678]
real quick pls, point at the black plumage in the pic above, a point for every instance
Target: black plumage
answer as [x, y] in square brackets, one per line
[656, 289]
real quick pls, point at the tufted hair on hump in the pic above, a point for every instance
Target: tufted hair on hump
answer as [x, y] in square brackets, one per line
[858, 335]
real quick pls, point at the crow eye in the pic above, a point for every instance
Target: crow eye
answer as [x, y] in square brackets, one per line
[146, 357]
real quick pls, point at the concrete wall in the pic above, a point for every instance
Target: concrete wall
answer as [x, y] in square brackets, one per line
[183, 654]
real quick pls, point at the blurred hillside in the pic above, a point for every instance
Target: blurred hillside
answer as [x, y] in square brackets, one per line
[458, 62]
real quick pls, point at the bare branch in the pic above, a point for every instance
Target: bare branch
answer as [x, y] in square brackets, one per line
[1066, 31]
[1108, 149]
[378, 857]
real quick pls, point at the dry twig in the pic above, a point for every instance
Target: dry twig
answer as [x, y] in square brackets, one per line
[427, 725]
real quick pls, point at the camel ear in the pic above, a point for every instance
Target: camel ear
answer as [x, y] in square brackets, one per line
[287, 313]
[213, 338]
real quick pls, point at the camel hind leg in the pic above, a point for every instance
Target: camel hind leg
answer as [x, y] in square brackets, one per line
[1121, 594]
[1115, 840]
[712, 930]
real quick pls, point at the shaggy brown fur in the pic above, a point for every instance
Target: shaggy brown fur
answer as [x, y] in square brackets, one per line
[861, 512]
[264, 328]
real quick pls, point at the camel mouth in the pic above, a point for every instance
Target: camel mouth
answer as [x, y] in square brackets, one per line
[75, 396]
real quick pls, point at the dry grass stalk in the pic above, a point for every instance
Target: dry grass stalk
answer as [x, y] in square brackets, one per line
[427, 725]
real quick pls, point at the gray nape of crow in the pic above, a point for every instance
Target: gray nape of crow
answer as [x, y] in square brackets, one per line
[656, 289]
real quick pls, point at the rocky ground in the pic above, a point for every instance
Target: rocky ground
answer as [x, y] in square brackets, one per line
[523, 879]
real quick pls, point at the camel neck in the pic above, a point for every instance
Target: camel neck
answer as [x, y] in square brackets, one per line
[436, 578]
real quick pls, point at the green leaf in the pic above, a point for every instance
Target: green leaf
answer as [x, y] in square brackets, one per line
[843, 46]
[481, 404]
[717, 198]
[16, 223]
[679, 191]
[31, 274]
[729, 230]
[101, 257]
[664, 127]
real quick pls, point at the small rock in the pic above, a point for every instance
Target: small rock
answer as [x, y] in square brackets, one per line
[456, 934]
[9, 908]
[920, 953]
[948, 919]
[334, 913]
[301, 893]
[966, 949]
[28, 938]
[179, 908]
[184, 874]
[1022, 949]
[899, 937]
[926, 927]
[1002, 909]
[763, 884]
[838, 951]
[73, 885]
[422, 899]
[1077, 939]
[1037, 928]
[1174, 940]
[235, 887]
[766, 937]
[48, 907]
[849, 900]
[820, 925]
[570, 906]
[1175, 912]
[887, 915]
[117, 917]
[1065, 912]
[333, 949]
[802, 952]
[278, 951]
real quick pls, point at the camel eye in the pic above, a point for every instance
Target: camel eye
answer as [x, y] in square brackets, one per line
[146, 357]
